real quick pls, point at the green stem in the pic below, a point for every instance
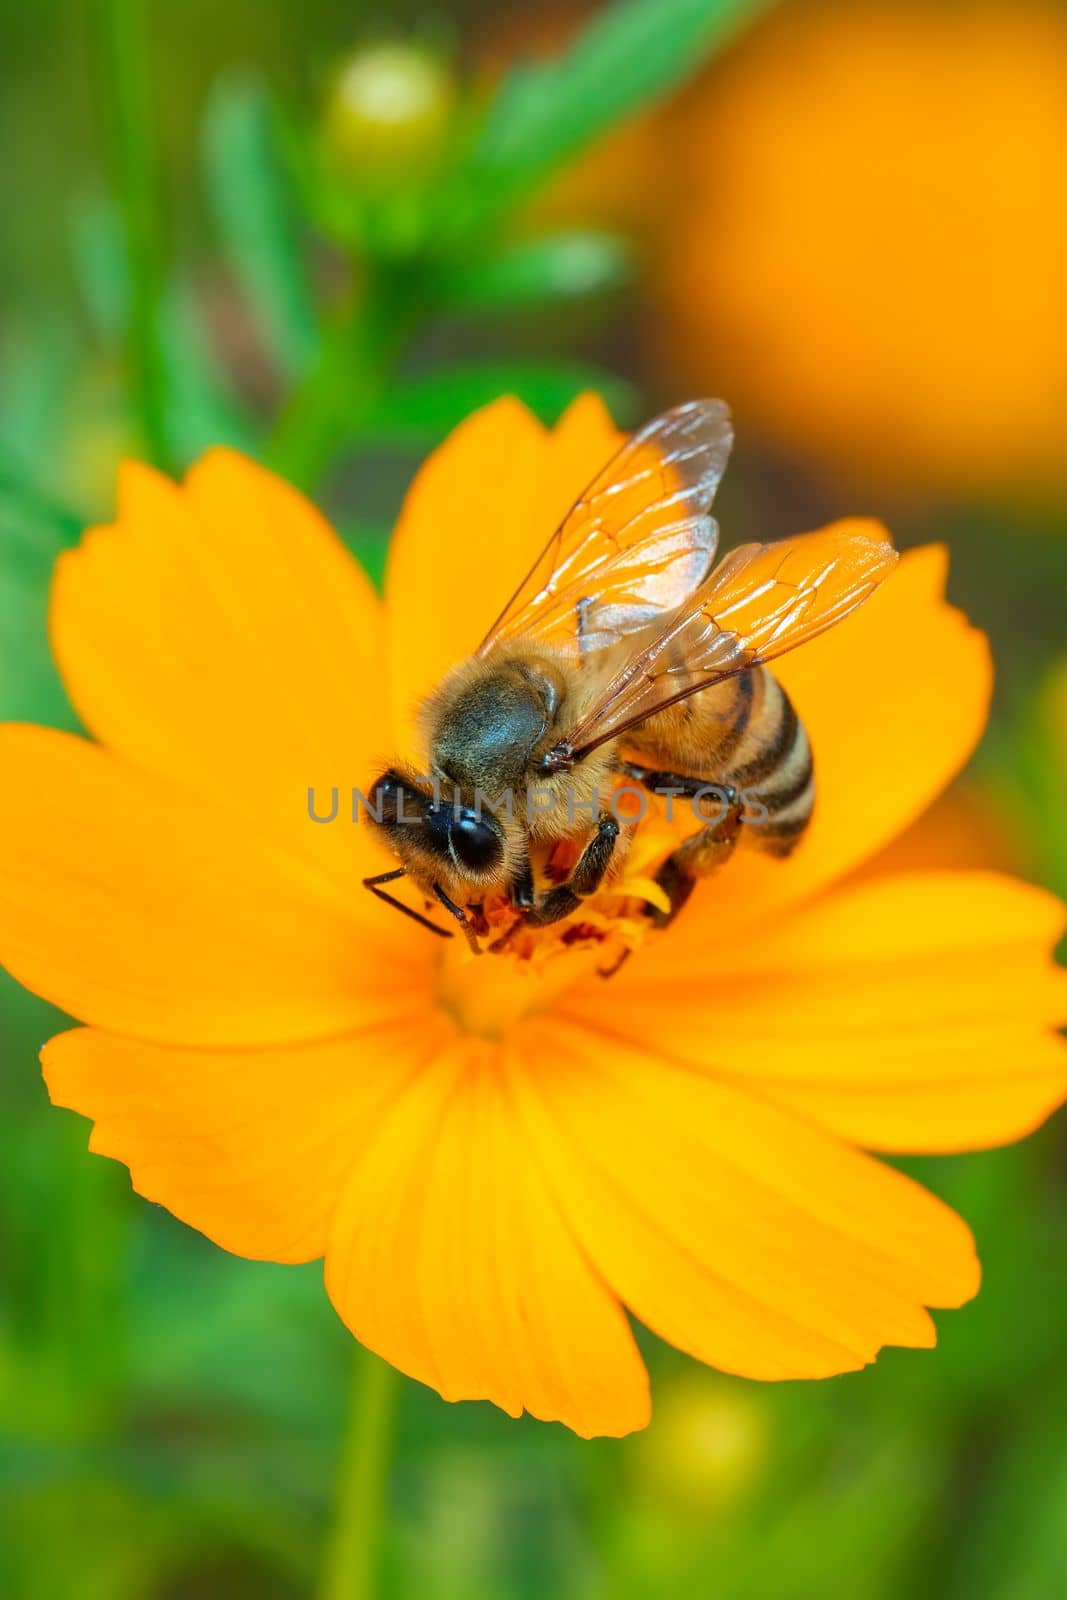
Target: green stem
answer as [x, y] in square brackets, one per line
[126, 111]
[353, 1549]
[340, 393]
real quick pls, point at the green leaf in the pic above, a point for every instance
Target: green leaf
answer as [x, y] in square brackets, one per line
[631, 54]
[101, 266]
[32, 527]
[422, 410]
[100, 261]
[563, 266]
[127, 108]
[37, 375]
[249, 189]
[198, 410]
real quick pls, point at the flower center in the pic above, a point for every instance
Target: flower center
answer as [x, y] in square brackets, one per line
[487, 995]
[524, 968]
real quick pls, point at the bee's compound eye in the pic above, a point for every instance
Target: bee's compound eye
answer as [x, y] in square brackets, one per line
[386, 798]
[475, 841]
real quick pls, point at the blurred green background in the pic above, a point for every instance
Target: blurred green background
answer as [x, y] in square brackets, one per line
[324, 232]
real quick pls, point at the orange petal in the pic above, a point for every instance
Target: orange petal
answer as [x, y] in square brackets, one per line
[252, 1147]
[220, 634]
[910, 1013]
[477, 516]
[450, 1258]
[134, 905]
[740, 1233]
[966, 827]
[894, 701]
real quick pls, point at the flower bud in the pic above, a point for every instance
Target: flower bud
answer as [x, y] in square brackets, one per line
[706, 1444]
[388, 110]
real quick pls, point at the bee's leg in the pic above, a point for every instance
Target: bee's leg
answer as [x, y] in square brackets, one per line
[701, 855]
[705, 852]
[460, 916]
[521, 891]
[593, 863]
[586, 878]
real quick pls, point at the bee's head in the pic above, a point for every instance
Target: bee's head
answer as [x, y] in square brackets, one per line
[437, 836]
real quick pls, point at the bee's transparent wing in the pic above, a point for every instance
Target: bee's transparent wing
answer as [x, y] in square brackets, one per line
[636, 544]
[760, 601]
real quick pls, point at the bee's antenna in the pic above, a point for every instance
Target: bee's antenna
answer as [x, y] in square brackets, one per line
[390, 877]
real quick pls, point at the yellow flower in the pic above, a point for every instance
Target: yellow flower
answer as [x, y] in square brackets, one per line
[495, 1157]
[864, 247]
[969, 825]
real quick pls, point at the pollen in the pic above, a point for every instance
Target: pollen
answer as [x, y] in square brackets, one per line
[528, 967]
[610, 925]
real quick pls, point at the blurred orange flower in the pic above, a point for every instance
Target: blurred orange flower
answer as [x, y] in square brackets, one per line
[866, 247]
[495, 1157]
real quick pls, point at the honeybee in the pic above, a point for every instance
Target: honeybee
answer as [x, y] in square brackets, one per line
[625, 652]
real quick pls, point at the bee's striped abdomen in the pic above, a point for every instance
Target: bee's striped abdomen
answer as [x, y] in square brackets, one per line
[771, 766]
[743, 734]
